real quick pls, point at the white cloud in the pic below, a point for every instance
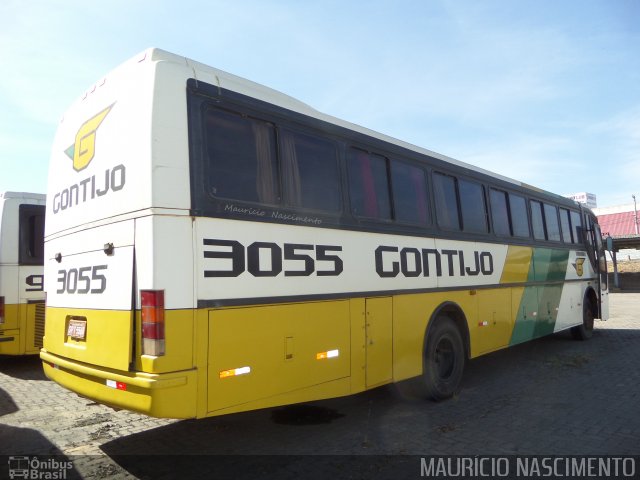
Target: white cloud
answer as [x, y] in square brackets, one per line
[619, 163]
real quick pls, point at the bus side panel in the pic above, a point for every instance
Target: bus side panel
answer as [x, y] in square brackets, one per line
[22, 287]
[261, 352]
[495, 321]
[10, 336]
[604, 305]
[9, 289]
[378, 341]
[32, 314]
[570, 309]
[411, 315]
[179, 343]
[525, 303]
[539, 305]
[164, 261]
[32, 307]
[550, 267]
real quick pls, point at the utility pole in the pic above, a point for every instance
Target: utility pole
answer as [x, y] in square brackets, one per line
[635, 214]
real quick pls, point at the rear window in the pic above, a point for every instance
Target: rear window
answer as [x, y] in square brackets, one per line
[31, 231]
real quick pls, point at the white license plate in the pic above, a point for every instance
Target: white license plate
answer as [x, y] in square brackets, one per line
[77, 329]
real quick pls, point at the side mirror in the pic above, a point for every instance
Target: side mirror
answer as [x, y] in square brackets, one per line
[609, 241]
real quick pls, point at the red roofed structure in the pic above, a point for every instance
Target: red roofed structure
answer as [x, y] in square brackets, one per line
[622, 224]
[618, 224]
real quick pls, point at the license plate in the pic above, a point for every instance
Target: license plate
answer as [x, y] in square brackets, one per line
[77, 329]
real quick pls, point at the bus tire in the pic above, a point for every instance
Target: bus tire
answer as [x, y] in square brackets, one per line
[443, 361]
[584, 331]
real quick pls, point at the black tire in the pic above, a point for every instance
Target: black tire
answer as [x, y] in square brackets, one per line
[584, 331]
[444, 358]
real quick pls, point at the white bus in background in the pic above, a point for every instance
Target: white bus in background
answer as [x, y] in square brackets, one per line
[21, 272]
[214, 246]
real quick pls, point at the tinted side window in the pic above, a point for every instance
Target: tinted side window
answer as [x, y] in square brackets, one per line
[31, 234]
[242, 158]
[537, 221]
[409, 193]
[474, 217]
[565, 223]
[519, 217]
[576, 226]
[551, 221]
[444, 189]
[368, 185]
[310, 172]
[499, 212]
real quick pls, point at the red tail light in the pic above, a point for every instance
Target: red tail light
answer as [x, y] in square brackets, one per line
[1, 309]
[152, 303]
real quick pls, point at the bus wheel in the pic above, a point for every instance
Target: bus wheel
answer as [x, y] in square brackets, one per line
[444, 359]
[584, 331]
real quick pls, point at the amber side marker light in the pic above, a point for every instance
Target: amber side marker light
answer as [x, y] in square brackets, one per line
[234, 372]
[327, 354]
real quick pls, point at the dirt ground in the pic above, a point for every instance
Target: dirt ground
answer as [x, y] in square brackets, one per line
[625, 266]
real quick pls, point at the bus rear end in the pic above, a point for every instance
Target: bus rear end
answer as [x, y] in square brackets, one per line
[118, 331]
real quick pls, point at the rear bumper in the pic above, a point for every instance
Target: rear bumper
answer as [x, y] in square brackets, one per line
[165, 395]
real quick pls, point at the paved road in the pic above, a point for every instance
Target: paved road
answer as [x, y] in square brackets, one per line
[553, 396]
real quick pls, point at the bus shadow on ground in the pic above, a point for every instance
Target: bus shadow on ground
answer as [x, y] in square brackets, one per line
[25, 367]
[234, 446]
[278, 442]
[7, 406]
[282, 442]
[28, 449]
[277, 467]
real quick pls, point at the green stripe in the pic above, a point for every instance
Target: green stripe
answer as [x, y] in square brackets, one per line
[547, 265]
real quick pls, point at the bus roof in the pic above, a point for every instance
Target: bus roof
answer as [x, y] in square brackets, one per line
[23, 195]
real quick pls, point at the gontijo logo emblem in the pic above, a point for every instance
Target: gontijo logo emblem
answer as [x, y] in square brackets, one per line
[84, 147]
[579, 266]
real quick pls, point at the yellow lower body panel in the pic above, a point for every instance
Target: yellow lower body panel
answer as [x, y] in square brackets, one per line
[22, 330]
[277, 350]
[10, 342]
[333, 389]
[167, 395]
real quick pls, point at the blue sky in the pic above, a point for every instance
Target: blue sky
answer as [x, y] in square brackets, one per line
[543, 91]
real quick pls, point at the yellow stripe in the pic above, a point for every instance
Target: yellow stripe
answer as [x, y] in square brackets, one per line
[516, 265]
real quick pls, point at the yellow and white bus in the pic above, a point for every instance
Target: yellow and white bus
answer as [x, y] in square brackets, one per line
[214, 246]
[21, 273]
